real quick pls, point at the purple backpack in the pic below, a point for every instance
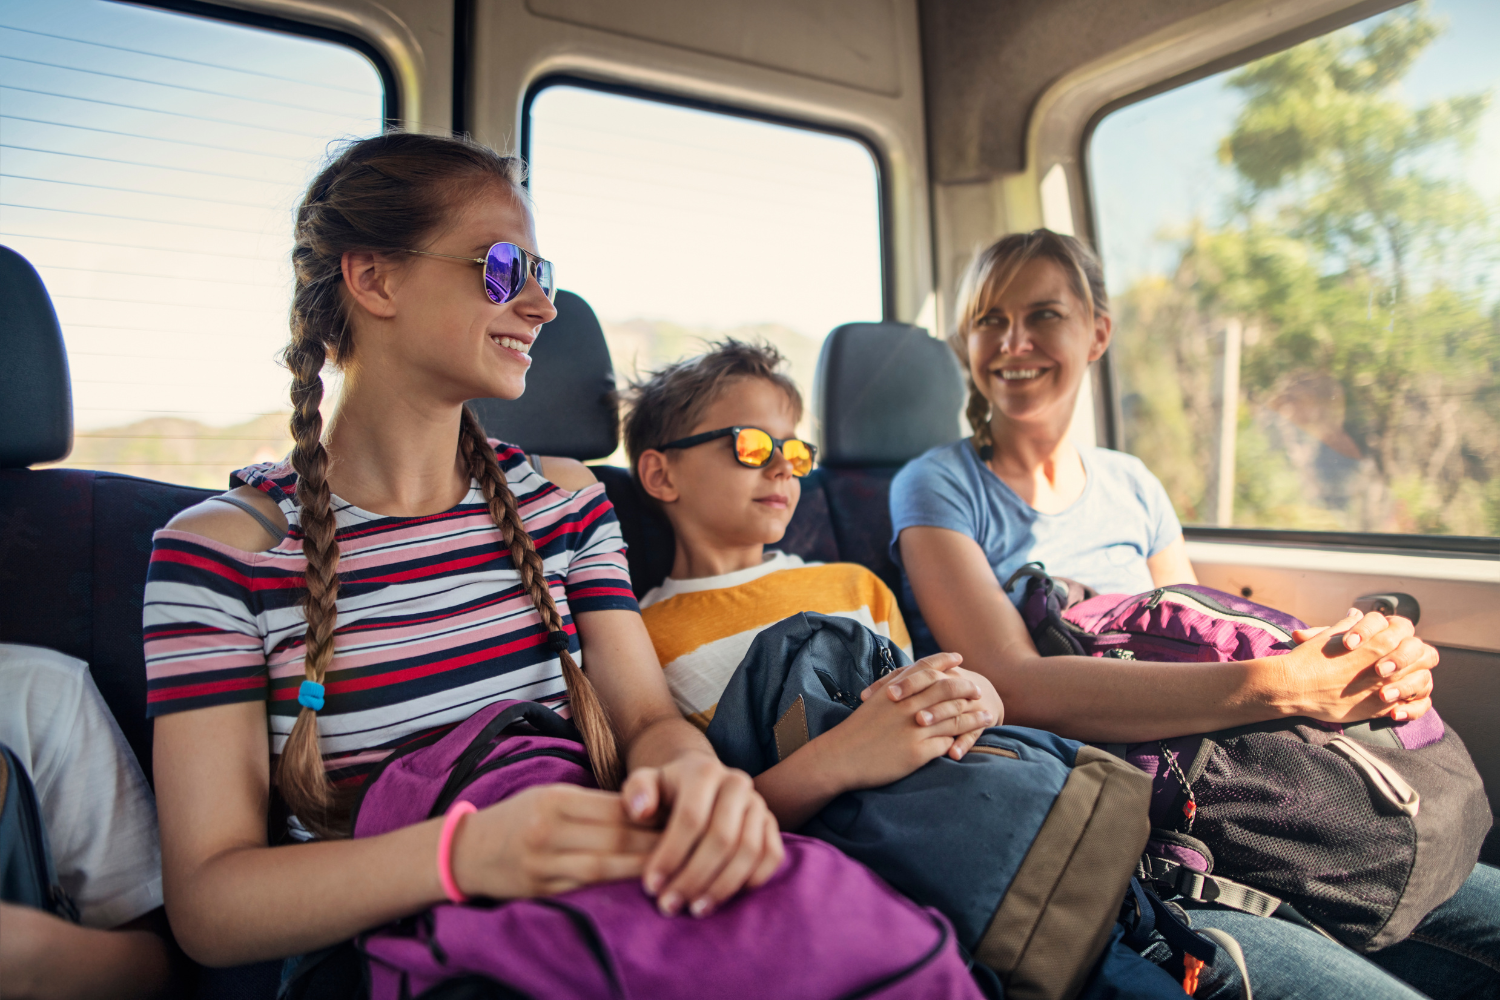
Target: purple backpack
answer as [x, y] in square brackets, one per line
[824, 926]
[1359, 830]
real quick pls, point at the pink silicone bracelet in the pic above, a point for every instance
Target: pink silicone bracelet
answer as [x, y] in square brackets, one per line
[456, 812]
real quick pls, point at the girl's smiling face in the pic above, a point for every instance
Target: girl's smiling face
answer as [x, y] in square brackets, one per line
[1031, 344]
[441, 332]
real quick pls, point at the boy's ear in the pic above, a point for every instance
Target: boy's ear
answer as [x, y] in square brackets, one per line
[655, 476]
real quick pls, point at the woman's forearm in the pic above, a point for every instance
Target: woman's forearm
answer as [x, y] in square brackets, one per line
[1119, 701]
[297, 898]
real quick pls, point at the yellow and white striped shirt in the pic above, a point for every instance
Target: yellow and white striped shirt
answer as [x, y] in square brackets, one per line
[703, 628]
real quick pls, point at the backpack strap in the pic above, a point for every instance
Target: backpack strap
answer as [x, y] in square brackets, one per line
[1203, 888]
[27, 874]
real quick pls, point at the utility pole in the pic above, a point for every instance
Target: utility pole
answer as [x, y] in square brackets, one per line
[1229, 420]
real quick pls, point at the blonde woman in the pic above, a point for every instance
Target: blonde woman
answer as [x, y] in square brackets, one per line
[1032, 314]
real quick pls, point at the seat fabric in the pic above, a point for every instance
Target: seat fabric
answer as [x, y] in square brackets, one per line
[74, 547]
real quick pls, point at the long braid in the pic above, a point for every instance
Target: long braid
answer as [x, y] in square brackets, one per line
[588, 711]
[300, 773]
[978, 414]
[383, 194]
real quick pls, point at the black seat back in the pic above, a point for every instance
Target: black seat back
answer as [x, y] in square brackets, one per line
[884, 393]
[74, 545]
[36, 395]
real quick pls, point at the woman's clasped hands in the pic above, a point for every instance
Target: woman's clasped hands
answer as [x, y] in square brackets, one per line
[1364, 667]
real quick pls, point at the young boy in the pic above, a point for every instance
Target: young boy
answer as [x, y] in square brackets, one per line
[712, 440]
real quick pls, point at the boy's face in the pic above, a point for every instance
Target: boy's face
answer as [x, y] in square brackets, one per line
[710, 497]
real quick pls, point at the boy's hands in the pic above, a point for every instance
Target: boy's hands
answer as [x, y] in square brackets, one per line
[907, 719]
[974, 692]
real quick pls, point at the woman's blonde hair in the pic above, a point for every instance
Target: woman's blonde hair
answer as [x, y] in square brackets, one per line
[985, 280]
[385, 194]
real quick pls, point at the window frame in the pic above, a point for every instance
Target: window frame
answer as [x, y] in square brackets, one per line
[877, 156]
[391, 103]
[1481, 545]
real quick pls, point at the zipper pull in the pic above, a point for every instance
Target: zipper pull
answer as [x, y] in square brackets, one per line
[1155, 598]
[889, 666]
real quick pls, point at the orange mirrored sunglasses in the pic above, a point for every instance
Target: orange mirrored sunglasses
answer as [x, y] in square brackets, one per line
[753, 448]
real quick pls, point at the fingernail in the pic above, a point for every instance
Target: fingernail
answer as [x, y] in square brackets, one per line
[700, 907]
[1385, 668]
[895, 690]
[1352, 639]
[638, 804]
[984, 717]
[924, 718]
[1391, 693]
[653, 882]
[670, 904]
[1399, 715]
[1354, 613]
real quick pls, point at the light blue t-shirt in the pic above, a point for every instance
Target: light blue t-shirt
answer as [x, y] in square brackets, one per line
[1102, 539]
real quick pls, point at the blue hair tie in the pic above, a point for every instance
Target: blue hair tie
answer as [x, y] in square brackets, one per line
[310, 695]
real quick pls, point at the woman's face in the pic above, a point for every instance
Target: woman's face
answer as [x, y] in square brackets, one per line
[1029, 350]
[443, 337]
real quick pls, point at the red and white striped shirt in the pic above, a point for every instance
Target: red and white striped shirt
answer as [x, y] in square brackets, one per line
[433, 622]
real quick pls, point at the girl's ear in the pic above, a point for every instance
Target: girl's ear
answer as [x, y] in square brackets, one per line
[655, 475]
[370, 277]
[1104, 329]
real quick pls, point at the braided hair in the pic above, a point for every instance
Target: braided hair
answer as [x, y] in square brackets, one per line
[985, 280]
[384, 194]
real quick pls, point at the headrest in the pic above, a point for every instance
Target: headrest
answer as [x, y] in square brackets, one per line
[36, 395]
[884, 393]
[569, 407]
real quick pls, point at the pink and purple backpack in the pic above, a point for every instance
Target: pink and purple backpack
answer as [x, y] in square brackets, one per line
[824, 926]
[1360, 830]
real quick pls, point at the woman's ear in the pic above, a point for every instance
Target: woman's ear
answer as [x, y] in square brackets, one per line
[655, 475]
[1104, 329]
[369, 278]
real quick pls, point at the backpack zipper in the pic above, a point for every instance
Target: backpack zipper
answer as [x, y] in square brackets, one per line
[1209, 606]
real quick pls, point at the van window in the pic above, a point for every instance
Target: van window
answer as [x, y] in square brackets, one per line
[149, 166]
[1304, 261]
[679, 225]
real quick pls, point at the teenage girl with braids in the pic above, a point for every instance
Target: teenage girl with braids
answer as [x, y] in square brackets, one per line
[397, 573]
[1032, 314]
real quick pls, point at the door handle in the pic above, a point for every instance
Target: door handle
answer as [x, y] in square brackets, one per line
[1404, 605]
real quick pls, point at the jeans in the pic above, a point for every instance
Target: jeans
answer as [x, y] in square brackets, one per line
[1454, 954]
